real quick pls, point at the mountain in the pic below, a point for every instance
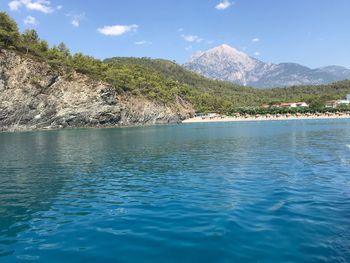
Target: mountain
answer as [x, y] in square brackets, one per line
[337, 72]
[229, 64]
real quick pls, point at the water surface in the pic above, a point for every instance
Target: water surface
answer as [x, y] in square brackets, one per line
[212, 192]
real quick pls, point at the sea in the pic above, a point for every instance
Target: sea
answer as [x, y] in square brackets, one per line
[269, 191]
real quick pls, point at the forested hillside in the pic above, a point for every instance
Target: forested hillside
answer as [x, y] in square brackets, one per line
[160, 80]
[239, 96]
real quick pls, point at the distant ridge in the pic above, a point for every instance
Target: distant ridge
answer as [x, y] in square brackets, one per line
[229, 64]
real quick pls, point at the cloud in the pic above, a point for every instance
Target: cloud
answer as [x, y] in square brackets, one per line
[223, 5]
[257, 53]
[180, 29]
[192, 38]
[29, 20]
[59, 7]
[76, 19]
[143, 42]
[188, 48]
[75, 23]
[15, 5]
[256, 39]
[117, 30]
[43, 6]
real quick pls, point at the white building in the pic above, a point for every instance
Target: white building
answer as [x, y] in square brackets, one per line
[293, 105]
[343, 102]
[337, 103]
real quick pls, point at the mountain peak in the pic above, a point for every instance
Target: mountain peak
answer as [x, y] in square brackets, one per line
[227, 49]
[230, 64]
[223, 59]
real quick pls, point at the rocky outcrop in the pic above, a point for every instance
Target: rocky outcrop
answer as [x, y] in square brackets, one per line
[33, 96]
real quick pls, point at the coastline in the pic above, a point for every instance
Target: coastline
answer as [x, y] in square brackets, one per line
[22, 129]
[187, 121]
[263, 118]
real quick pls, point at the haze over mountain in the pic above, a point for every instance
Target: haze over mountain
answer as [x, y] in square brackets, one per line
[227, 63]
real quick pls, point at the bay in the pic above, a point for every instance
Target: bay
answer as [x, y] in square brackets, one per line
[272, 191]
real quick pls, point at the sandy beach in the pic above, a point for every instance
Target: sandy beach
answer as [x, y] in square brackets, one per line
[265, 118]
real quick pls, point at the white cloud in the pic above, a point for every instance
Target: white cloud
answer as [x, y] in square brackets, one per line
[223, 5]
[59, 7]
[75, 23]
[15, 5]
[143, 42]
[192, 38]
[76, 19]
[180, 29]
[256, 39]
[188, 48]
[117, 30]
[43, 6]
[257, 53]
[29, 20]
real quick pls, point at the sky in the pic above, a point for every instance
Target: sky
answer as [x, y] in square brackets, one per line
[314, 33]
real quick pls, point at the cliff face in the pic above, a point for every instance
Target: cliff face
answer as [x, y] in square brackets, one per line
[33, 96]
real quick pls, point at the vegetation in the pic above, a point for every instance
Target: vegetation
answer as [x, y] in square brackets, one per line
[9, 34]
[163, 80]
[284, 111]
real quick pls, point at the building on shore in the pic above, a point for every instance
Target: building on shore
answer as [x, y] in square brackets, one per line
[207, 115]
[338, 103]
[291, 105]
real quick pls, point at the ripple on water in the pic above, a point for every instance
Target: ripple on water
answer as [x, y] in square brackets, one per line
[229, 192]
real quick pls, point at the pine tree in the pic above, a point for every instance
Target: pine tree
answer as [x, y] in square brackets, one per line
[30, 39]
[9, 34]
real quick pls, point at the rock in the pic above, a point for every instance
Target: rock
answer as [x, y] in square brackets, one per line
[33, 96]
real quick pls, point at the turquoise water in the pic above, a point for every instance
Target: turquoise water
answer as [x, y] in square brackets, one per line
[228, 192]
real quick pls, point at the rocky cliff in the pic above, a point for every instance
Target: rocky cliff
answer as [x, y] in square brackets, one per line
[34, 96]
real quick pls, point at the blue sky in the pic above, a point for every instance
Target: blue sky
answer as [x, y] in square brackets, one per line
[310, 32]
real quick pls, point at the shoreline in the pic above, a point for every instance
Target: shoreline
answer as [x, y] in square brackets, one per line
[262, 118]
[187, 121]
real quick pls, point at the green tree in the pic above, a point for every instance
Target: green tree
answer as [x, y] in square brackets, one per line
[63, 49]
[43, 46]
[9, 34]
[316, 102]
[30, 40]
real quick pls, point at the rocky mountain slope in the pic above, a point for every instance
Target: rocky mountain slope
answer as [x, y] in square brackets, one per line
[228, 64]
[34, 96]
